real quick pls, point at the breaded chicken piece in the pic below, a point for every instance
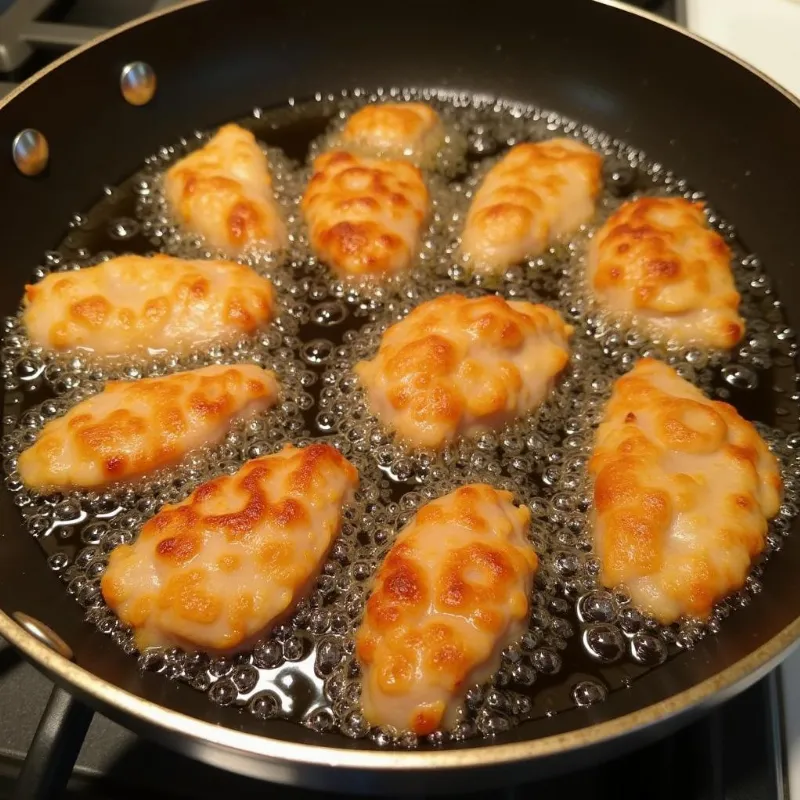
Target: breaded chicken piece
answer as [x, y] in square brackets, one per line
[365, 215]
[395, 130]
[223, 191]
[451, 595]
[131, 304]
[535, 195]
[457, 367]
[683, 490]
[656, 264]
[131, 429]
[217, 571]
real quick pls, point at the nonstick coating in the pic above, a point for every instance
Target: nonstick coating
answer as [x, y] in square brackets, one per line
[702, 114]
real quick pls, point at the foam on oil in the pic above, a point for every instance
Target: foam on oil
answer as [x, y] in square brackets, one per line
[583, 641]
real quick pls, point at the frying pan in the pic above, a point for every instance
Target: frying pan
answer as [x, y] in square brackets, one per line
[709, 118]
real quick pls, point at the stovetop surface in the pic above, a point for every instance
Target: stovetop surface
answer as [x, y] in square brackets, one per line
[733, 753]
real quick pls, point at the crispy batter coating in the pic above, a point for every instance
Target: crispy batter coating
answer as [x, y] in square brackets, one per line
[131, 303]
[535, 195]
[457, 366]
[657, 264]
[134, 428]
[395, 130]
[452, 593]
[365, 215]
[683, 489]
[223, 191]
[220, 569]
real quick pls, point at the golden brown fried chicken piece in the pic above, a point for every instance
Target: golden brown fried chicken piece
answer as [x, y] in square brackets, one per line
[535, 195]
[223, 191]
[132, 304]
[457, 366]
[217, 571]
[452, 593]
[683, 489]
[133, 428]
[657, 264]
[364, 215]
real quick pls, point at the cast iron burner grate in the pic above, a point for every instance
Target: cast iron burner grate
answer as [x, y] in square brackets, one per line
[57, 748]
[35, 32]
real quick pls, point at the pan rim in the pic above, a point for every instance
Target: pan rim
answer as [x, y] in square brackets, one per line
[106, 695]
[71, 676]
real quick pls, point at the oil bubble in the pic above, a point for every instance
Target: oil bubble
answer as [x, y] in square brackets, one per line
[588, 693]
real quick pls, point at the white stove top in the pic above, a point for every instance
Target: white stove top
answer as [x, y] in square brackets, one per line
[762, 32]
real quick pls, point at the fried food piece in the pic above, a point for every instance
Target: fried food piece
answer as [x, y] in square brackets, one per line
[657, 264]
[133, 428]
[365, 215]
[457, 366]
[451, 595]
[537, 194]
[395, 130]
[223, 191]
[683, 489]
[217, 571]
[132, 304]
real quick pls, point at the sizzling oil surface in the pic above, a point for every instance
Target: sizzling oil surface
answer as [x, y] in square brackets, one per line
[583, 641]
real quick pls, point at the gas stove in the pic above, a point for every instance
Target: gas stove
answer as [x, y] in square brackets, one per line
[735, 752]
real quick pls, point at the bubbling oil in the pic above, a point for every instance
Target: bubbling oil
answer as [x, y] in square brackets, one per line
[584, 641]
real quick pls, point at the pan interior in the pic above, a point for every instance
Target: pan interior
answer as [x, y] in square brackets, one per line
[585, 645]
